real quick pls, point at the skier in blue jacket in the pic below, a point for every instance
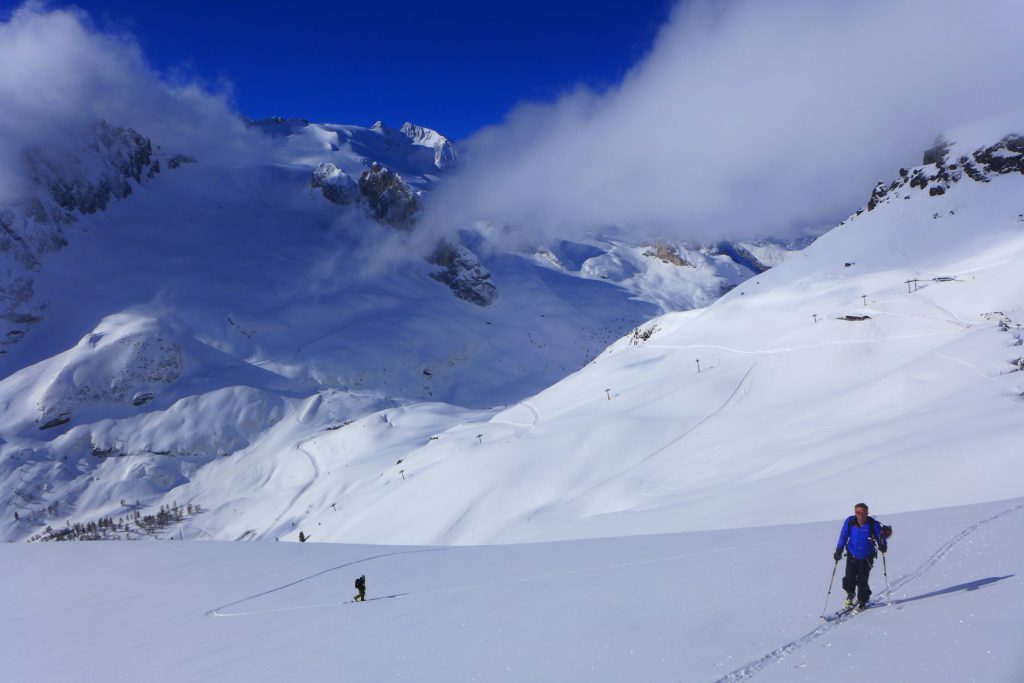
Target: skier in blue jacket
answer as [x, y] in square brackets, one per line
[860, 537]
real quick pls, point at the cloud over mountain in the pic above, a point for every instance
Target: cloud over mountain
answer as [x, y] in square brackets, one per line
[61, 74]
[745, 117]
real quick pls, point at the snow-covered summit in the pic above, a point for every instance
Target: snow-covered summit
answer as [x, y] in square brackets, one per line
[421, 140]
[445, 155]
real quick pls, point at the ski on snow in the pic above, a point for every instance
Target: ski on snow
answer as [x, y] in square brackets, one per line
[846, 612]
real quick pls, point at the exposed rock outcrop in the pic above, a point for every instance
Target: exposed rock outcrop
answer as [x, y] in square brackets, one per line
[389, 200]
[741, 256]
[938, 172]
[667, 254]
[64, 181]
[179, 160]
[462, 271]
[87, 179]
[278, 126]
[337, 186]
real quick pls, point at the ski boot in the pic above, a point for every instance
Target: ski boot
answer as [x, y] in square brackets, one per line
[849, 602]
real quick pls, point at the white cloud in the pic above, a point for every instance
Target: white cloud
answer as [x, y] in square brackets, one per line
[60, 74]
[746, 117]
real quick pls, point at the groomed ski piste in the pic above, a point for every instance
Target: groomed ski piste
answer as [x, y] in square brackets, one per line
[731, 605]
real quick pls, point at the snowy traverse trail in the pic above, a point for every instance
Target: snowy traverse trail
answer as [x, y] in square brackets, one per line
[744, 382]
[315, 404]
[218, 611]
[662, 607]
[778, 654]
[519, 427]
[309, 484]
[805, 347]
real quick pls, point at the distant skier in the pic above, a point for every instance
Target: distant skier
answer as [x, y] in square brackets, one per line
[361, 587]
[860, 537]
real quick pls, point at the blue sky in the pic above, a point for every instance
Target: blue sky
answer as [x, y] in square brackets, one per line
[743, 117]
[454, 66]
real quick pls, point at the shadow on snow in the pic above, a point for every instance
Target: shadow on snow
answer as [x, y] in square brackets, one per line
[969, 586]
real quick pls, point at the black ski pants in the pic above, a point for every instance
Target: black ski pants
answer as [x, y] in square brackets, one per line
[857, 572]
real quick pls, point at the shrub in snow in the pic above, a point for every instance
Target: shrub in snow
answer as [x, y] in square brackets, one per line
[640, 335]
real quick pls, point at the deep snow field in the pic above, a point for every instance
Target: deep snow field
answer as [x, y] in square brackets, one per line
[700, 606]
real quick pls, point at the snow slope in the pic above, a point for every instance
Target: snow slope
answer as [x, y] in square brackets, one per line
[917, 405]
[705, 606]
[905, 392]
[193, 315]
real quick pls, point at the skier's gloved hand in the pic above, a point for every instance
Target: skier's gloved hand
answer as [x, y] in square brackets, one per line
[838, 555]
[883, 546]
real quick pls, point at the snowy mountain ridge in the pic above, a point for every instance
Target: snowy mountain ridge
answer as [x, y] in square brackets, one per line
[445, 155]
[947, 163]
[896, 323]
[223, 298]
[79, 177]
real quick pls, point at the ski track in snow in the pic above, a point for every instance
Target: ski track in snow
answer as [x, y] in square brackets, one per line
[980, 373]
[533, 411]
[516, 426]
[305, 487]
[217, 611]
[803, 347]
[689, 430]
[749, 670]
[735, 392]
[964, 363]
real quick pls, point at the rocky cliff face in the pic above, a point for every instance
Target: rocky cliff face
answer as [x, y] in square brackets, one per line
[337, 186]
[938, 171]
[462, 271]
[87, 179]
[62, 183]
[666, 253]
[389, 200]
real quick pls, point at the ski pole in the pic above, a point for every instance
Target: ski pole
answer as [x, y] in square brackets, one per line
[885, 571]
[831, 581]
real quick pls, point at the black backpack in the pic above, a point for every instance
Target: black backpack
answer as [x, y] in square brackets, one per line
[886, 530]
[360, 583]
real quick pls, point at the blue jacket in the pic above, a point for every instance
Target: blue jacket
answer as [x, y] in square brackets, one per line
[857, 539]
